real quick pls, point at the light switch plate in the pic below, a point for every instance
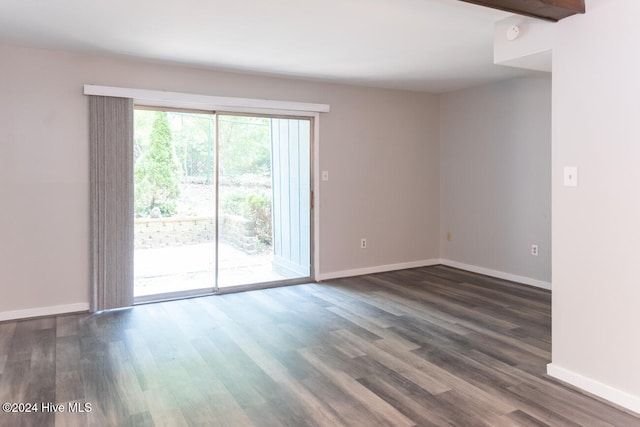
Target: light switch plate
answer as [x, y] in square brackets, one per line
[570, 176]
[325, 175]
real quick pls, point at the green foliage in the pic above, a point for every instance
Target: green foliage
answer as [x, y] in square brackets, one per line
[177, 147]
[194, 139]
[260, 214]
[253, 203]
[141, 131]
[245, 145]
[157, 173]
[234, 202]
[245, 171]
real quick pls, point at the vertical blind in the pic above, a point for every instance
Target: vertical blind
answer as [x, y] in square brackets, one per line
[111, 202]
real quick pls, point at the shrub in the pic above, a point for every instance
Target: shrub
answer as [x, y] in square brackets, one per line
[157, 173]
[259, 205]
[253, 204]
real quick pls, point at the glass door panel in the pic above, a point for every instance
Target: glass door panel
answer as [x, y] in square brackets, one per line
[174, 199]
[264, 199]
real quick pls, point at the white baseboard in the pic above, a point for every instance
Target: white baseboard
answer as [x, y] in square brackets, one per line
[429, 262]
[43, 311]
[499, 274]
[376, 269]
[597, 388]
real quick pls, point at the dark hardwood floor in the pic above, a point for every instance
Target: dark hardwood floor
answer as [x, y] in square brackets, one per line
[430, 346]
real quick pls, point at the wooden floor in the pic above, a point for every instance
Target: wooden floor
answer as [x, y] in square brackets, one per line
[430, 346]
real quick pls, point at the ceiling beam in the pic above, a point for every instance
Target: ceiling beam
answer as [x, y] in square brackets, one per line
[549, 10]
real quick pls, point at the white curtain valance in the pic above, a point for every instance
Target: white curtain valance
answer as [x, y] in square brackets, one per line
[156, 98]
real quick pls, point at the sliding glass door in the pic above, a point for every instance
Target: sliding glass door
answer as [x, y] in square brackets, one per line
[264, 199]
[221, 201]
[174, 202]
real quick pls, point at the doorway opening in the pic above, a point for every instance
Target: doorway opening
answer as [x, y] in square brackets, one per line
[222, 202]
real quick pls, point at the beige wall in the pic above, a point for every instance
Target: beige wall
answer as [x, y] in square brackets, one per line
[495, 162]
[596, 226]
[380, 147]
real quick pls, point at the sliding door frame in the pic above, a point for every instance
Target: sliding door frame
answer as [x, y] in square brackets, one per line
[313, 119]
[312, 222]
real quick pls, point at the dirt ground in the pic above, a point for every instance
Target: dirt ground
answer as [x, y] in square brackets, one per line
[196, 200]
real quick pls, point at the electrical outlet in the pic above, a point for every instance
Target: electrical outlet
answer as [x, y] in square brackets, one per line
[363, 243]
[534, 250]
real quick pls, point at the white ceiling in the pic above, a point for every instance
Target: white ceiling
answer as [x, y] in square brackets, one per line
[427, 45]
